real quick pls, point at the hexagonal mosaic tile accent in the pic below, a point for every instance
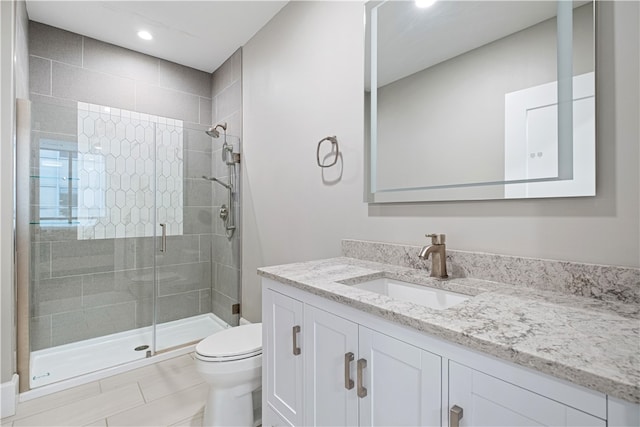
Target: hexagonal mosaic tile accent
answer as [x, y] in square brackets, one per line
[129, 167]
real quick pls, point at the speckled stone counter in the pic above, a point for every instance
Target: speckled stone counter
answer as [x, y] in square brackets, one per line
[590, 342]
[603, 282]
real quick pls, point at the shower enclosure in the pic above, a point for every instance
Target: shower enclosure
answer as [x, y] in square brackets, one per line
[128, 257]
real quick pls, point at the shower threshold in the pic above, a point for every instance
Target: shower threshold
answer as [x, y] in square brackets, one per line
[63, 362]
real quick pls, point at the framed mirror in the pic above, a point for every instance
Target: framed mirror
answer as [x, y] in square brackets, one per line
[472, 100]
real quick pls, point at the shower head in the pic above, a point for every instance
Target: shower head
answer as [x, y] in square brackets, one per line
[213, 131]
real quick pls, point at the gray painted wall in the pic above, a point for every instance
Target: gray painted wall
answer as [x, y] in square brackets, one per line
[89, 288]
[296, 90]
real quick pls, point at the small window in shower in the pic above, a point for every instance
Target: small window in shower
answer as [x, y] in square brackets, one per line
[58, 182]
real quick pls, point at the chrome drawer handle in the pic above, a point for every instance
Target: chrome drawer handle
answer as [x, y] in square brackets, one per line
[296, 331]
[348, 382]
[455, 415]
[362, 391]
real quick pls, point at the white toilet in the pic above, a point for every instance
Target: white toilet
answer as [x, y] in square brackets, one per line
[230, 361]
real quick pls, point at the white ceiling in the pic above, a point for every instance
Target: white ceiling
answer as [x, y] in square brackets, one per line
[198, 34]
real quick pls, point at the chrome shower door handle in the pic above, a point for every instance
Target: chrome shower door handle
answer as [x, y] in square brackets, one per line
[362, 391]
[163, 239]
[348, 382]
[296, 331]
[455, 415]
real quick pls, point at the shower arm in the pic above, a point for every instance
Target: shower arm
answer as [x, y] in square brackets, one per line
[225, 185]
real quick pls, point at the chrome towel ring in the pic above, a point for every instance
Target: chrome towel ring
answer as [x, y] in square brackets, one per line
[334, 142]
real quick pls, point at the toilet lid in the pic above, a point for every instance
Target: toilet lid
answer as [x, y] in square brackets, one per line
[236, 341]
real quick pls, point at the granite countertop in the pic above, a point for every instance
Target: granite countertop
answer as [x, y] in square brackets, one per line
[592, 343]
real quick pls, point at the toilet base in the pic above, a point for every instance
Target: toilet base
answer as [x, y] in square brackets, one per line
[230, 407]
[232, 377]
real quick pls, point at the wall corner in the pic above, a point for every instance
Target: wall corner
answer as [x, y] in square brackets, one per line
[9, 397]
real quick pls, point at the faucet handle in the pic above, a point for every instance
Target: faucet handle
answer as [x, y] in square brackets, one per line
[437, 239]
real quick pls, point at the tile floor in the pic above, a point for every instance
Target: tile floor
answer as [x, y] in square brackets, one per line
[168, 393]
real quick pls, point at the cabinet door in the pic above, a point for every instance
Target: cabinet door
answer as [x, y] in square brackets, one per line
[271, 418]
[330, 398]
[283, 364]
[402, 382]
[488, 401]
[622, 413]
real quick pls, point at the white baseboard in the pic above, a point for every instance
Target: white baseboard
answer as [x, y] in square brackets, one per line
[9, 397]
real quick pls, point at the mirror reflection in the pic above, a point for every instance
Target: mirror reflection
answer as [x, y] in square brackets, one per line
[465, 100]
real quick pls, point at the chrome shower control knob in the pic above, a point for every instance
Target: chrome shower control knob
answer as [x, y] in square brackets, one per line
[224, 212]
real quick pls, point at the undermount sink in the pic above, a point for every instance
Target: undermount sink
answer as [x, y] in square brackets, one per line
[418, 294]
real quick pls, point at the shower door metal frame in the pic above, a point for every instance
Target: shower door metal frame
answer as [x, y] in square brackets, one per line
[23, 240]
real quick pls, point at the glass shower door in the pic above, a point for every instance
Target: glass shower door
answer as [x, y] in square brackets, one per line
[187, 217]
[92, 206]
[128, 254]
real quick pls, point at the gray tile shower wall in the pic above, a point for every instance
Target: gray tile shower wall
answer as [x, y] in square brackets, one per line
[113, 278]
[73, 67]
[603, 282]
[226, 83]
[55, 44]
[87, 288]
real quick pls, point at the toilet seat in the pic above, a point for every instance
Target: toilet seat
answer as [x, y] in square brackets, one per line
[228, 358]
[236, 343]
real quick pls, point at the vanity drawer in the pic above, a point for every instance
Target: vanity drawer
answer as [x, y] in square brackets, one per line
[485, 400]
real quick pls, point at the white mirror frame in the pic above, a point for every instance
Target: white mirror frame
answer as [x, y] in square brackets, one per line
[575, 178]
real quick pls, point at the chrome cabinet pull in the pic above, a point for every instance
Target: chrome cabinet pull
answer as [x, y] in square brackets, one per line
[296, 331]
[348, 382]
[163, 244]
[362, 391]
[455, 415]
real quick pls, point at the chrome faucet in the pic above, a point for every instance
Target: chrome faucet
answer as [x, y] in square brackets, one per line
[437, 249]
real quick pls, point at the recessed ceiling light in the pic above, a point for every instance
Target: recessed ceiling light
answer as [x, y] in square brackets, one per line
[145, 35]
[424, 3]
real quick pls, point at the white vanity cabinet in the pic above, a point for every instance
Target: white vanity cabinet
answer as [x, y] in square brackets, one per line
[331, 354]
[403, 383]
[351, 375]
[282, 358]
[357, 376]
[405, 377]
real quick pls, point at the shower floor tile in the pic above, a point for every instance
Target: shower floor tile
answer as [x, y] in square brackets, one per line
[168, 393]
